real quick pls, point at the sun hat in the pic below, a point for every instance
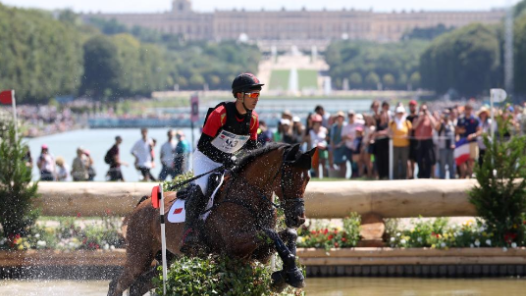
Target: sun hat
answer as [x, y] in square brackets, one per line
[400, 109]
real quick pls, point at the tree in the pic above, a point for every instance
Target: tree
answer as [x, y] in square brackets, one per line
[101, 67]
[372, 80]
[16, 190]
[388, 80]
[429, 33]
[466, 59]
[356, 80]
[520, 54]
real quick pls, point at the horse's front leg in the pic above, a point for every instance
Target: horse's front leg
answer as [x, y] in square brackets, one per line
[290, 274]
[290, 236]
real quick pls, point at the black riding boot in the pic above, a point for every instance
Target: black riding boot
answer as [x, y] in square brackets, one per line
[195, 205]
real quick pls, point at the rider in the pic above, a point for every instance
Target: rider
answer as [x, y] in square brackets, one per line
[229, 128]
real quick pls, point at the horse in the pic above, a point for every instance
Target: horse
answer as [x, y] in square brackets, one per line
[240, 223]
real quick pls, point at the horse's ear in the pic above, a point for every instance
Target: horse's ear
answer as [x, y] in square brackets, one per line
[291, 153]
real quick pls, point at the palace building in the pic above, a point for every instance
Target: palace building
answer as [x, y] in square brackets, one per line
[303, 28]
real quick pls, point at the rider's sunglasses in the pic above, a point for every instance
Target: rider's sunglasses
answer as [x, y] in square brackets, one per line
[252, 95]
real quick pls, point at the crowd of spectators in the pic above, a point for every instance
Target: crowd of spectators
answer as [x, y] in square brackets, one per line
[174, 157]
[48, 119]
[423, 139]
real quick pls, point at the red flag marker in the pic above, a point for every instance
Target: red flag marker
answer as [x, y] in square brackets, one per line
[6, 97]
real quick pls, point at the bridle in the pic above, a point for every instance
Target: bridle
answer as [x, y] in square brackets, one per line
[285, 204]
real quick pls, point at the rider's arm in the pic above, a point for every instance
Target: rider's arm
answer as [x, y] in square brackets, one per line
[254, 126]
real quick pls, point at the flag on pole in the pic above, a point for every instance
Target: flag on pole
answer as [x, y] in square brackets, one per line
[6, 97]
[461, 153]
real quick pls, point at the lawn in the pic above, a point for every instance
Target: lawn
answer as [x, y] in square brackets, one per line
[308, 79]
[279, 80]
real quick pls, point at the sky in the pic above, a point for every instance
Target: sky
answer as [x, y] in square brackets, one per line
[210, 5]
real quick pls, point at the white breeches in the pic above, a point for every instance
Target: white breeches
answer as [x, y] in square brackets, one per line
[203, 164]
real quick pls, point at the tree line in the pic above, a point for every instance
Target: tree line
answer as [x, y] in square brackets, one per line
[369, 65]
[44, 55]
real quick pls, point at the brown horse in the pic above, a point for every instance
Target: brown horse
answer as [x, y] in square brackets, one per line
[241, 221]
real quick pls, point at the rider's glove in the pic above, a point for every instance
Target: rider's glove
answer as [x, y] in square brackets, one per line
[230, 162]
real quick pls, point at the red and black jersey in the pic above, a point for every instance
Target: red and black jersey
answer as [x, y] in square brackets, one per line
[226, 117]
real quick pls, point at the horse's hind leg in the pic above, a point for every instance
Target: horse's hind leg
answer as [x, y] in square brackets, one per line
[144, 283]
[136, 264]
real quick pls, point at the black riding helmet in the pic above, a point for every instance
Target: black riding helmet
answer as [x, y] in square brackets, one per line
[245, 82]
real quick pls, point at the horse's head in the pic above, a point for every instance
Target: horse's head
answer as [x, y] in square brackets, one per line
[290, 183]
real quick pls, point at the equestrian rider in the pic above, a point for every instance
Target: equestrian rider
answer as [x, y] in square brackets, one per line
[229, 128]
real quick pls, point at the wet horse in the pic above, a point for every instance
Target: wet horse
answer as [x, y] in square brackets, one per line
[241, 222]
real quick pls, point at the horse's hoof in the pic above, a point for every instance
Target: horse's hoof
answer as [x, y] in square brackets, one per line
[295, 278]
[278, 282]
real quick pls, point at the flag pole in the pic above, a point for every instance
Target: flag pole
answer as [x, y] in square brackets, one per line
[163, 237]
[15, 120]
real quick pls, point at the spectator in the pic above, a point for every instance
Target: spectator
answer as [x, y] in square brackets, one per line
[62, 169]
[168, 156]
[485, 129]
[337, 145]
[79, 169]
[446, 145]
[425, 157]
[264, 134]
[286, 115]
[400, 129]
[286, 132]
[28, 159]
[381, 145]
[298, 129]
[386, 109]
[182, 154]
[411, 117]
[324, 115]
[468, 127]
[46, 165]
[308, 128]
[141, 150]
[368, 145]
[113, 159]
[318, 138]
[349, 136]
[91, 169]
[356, 151]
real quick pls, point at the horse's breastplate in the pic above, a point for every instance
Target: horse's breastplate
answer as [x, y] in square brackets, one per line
[234, 134]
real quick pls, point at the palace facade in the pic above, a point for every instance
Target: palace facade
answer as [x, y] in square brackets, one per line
[299, 26]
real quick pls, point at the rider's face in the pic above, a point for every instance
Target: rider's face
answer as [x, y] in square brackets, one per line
[251, 103]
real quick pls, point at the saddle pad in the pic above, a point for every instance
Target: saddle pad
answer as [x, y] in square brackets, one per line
[177, 213]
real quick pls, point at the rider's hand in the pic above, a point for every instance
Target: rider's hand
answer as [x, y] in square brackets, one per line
[229, 162]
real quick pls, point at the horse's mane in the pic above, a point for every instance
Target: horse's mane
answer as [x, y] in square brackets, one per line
[293, 156]
[250, 156]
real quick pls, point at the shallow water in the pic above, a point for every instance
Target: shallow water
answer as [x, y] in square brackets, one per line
[315, 287]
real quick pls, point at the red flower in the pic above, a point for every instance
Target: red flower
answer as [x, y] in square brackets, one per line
[336, 245]
[78, 215]
[108, 212]
[313, 232]
[335, 230]
[344, 239]
[509, 237]
[325, 231]
[435, 234]
[330, 237]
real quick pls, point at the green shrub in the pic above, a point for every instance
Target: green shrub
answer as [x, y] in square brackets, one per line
[500, 196]
[217, 275]
[16, 190]
[322, 236]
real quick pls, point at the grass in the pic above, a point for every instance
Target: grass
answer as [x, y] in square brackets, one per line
[308, 79]
[279, 80]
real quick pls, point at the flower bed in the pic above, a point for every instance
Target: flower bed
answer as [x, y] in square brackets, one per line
[435, 234]
[70, 234]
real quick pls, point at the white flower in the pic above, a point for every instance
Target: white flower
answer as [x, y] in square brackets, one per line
[471, 245]
[514, 245]
[112, 247]
[2, 241]
[477, 243]
[403, 241]
[504, 249]
[37, 235]
[460, 233]
[106, 247]
[443, 245]
[419, 239]
[488, 242]
[392, 239]
[41, 243]
[398, 234]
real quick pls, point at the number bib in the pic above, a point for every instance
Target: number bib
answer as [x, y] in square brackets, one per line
[229, 142]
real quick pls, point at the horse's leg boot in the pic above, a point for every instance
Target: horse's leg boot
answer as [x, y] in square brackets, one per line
[195, 204]
[278, 282]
